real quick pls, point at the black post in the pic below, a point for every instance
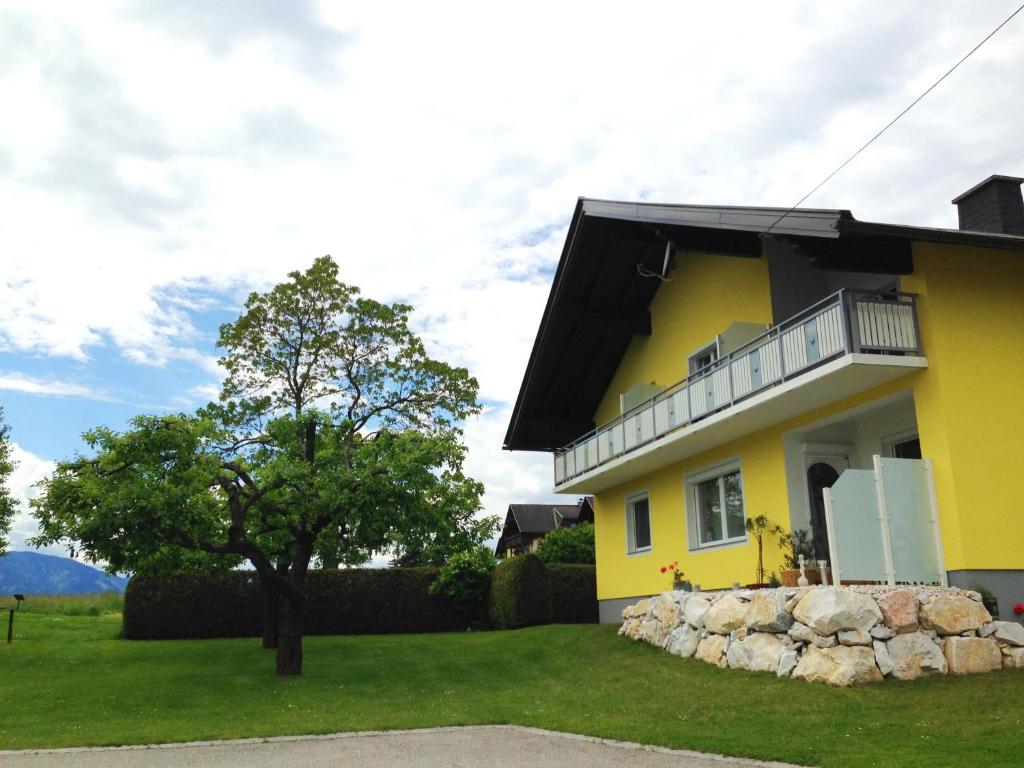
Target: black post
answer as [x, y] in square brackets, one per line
[10, 624]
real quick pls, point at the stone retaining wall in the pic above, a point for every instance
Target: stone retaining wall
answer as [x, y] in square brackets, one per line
[838, 635]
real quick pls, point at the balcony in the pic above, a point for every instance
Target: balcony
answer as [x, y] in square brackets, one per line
[847, 343]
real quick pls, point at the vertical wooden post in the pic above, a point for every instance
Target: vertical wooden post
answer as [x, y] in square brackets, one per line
[10, 624]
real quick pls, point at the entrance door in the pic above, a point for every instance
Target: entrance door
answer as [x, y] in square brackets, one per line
[822, 472]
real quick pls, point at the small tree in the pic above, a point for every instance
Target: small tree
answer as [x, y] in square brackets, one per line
[7, 503]
[568, 545]
[335, 431]
[758, 527]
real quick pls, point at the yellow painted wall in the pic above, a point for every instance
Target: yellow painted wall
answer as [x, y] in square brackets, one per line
[970, 404]
[707, 294]
[762, 466]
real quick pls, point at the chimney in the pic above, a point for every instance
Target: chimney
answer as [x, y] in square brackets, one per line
[994, 205]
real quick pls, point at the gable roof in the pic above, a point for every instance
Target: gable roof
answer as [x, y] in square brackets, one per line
[599, 300]
[542, 518]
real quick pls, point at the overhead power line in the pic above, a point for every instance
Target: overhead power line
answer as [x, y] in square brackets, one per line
[892, 122]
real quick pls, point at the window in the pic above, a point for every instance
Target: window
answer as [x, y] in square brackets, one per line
[703, 357]
[638, 524]
[907, 449]
[715, 501]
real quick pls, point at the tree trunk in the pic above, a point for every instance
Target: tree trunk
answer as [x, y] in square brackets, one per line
[289, 645]
[271, 612]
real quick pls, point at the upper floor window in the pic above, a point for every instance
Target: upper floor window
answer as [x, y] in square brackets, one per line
[703, 357]
[714, 502]
[638, 524]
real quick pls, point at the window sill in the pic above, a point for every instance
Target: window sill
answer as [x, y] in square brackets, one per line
[727, 544]
[634, 553]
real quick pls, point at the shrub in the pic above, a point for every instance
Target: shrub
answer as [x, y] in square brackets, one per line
[568, 545]
[519, 593]
[465, 579]
[192, 605]
[572, 594]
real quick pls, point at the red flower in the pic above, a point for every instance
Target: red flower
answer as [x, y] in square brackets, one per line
[672, 567]
[663, 569]
[1018, 608]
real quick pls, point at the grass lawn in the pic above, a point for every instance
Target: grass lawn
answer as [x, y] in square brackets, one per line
[69, 680]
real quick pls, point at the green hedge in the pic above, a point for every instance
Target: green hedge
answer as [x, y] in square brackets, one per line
[358, 601]
[519, 593]
[572, 594]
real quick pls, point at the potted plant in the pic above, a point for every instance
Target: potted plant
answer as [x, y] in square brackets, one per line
[794, 544]
[678, 577]
[758, 527]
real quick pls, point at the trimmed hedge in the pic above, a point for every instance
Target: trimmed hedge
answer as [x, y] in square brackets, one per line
[572, 593]
[519, 593]
[358, 601]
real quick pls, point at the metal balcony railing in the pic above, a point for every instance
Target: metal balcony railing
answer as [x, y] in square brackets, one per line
[847, 321]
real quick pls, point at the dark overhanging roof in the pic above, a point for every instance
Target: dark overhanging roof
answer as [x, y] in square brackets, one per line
[599, 300]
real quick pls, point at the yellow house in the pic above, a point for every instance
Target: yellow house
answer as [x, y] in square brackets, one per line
[698, 367]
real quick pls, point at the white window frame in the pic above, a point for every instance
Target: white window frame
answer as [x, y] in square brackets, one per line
[693, 509]
[889, 442]
[712, 346]
[631, 548]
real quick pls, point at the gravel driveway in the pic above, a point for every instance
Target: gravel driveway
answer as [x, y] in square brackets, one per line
[500, 745]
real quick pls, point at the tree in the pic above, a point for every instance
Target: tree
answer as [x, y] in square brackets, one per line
[568, 545]
[7, 503]
[335, 432]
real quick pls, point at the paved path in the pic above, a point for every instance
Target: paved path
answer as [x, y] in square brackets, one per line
[499, 745]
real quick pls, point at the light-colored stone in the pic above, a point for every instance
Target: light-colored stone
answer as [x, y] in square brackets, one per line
[1013, 658]
[651, 632]
[914, 655]
[636, 610]
[631, 628]
[828, 610]
[951, 614]
[766, 612]
[758, 652]
[971, 655]
[899, 611]
[882, 658]
[882, 632]
[842, 666]
[787, 663]
[682, 641]
[804, 634]
[987, 629]
[712, 649]
[853, 637]
[695, 611]
[666, 611]
[725, 615]
[794, 596]
[1008, 632]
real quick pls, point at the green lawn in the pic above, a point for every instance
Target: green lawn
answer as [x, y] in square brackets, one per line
[69, 681]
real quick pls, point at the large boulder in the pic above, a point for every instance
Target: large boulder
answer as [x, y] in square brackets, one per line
[712, 649]
[636, 610]
[1008, 632]
[651, 632]
[682, 641]
[971, 655]
[766, 612]
[667, 612]
[842, 666]
[631, 628]
[725, 615]
[953, 614]
[915, 655]
[899, 611]
[828, 610]
[758, 652]
[695, 611]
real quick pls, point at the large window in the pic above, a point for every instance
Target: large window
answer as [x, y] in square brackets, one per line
[638, 524]
[715, 506]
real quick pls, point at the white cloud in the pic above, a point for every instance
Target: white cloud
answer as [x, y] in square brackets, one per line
[19, 382]
[164, 155]
[29, 469]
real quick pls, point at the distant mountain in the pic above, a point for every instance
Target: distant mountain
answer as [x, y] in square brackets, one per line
[33, 573]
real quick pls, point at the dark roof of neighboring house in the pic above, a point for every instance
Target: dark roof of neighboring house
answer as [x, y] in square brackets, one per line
[599, 300]
[542, 518]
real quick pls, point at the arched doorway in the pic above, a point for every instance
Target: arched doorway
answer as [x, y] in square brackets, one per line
[820, 475]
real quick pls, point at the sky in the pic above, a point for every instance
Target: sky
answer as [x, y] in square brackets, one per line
[160, 160]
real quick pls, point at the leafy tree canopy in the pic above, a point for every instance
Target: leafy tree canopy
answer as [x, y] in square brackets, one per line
[568, 545]
[335, 436]
[7, 503]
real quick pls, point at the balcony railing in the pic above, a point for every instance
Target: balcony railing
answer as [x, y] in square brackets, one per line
[845, 322]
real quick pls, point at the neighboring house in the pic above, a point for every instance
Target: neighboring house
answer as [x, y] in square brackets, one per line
[732, 373]
[526, 524]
